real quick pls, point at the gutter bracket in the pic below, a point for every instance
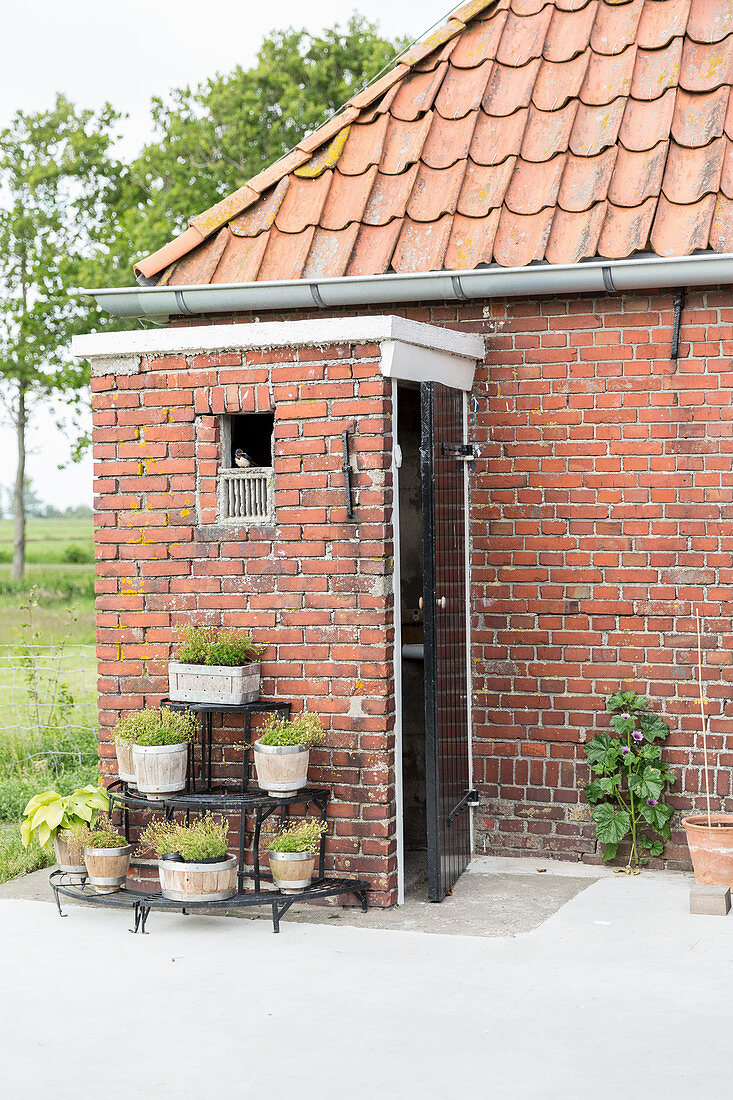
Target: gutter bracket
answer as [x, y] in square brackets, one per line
[458, 289]
[180, 302]
[608, 279]
[315, 292]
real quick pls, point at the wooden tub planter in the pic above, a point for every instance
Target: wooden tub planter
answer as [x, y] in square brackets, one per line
[210, 880]
[125, 765]
[69, 853]
[230, 685]
[281, 769]
[107, 867]
[292, 871]
[160, 770]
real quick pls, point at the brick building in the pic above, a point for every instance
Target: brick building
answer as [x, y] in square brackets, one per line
[503, 270]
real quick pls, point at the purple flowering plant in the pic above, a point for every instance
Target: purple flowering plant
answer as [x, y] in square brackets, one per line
[629, 779]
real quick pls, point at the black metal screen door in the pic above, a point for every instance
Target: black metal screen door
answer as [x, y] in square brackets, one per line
[444, 615]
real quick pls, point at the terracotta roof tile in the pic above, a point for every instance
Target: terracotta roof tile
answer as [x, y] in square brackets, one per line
[389, 195]
[637, 175]
[521, 239]
[721, 231]
[479, 42]
[615, 26]
[523, 38]
[303, 203]
[608, 76]
[710, 21]
[626, 229]
[403, 144]
[510, 88]
[586, 180]
[569, 32]
[661, 21]
[647, 122]
[330, 252]
[260, 216]
[699, 117]
[449, 140]
[548, 132]
[705, 67]
[595, 128]
[656, 70]
[484, 188]
[494, 139]
[364, 146]
[435, 192]
[679, 230]
[347, 199]
[471, 241]
[692, 173]
[522, 131]
[534, 185]
[559, 81]
[462, 90]
[422, 245]
[574, 235]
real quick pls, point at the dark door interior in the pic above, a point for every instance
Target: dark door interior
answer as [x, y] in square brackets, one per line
[442, 467]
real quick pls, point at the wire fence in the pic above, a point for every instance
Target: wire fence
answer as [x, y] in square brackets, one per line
[48, 706]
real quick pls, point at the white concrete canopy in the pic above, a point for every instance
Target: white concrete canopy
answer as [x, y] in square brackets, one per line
[410, 350]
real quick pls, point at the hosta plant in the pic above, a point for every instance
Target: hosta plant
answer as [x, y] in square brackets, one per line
[629, 780]
[48, 813]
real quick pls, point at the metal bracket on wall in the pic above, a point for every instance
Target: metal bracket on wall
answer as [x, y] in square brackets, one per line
[465, 451]
[679, 305]
[347, 476]
[470, 798]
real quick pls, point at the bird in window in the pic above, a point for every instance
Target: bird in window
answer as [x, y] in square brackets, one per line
[242, 459]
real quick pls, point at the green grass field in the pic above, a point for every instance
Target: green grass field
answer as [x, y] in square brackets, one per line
[47, 703]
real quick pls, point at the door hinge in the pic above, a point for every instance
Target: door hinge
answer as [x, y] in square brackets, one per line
[470, 798]
[465, 451]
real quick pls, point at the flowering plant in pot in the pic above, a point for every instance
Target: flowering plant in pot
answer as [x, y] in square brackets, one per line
[193, 862]
[51, 818]
[629, 780]
[106, 855]
[292, 855]
[160, 740]
[282, 752]
[215, 666]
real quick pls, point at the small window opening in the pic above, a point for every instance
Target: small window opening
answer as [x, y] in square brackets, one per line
[251, 434]
[245, 482]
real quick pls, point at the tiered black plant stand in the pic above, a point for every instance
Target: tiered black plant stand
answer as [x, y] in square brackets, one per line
[199, 797]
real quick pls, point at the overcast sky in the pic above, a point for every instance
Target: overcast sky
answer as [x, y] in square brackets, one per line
[126, 53]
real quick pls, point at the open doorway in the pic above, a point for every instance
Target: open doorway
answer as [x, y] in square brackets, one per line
[414, 812]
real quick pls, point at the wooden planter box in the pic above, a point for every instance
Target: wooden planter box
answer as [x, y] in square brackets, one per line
[181, 881]
[230, 685]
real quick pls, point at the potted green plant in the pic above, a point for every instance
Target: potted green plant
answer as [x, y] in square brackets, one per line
[106, 855]
[193, 862]
[51, 817]
[160, 740]
[292, 855]
[215, 666]
[282, 752]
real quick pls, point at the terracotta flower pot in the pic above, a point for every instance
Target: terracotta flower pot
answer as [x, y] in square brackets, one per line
[210, 881]
[107, 867]
[125, 766]
[160, 770]
[281, 769]
[711, 848]
[69, 853]
[292, 871]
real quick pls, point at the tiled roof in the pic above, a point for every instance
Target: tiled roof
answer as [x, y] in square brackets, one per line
[523, 130]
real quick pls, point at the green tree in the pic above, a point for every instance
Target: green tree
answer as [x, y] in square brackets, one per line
[211, 139]
[59, 187]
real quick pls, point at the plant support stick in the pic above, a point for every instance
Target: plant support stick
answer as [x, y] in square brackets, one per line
[702, 715]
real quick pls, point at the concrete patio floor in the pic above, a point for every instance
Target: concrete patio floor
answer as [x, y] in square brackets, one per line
[618, 992]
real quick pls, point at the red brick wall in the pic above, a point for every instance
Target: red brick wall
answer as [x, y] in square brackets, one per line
[600, 519]
[314, 588]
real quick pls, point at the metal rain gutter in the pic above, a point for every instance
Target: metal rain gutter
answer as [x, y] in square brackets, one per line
[644, 272]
